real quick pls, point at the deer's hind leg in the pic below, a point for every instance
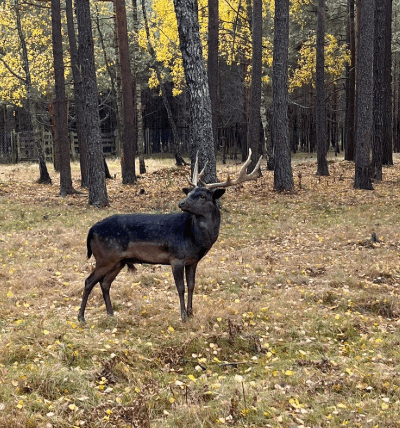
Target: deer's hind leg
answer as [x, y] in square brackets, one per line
[105, 285]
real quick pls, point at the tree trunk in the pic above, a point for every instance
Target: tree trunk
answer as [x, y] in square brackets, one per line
[283, 176]
[78, 96]
[363, 170]
[387, 155]
[350, 87]
[378, 92]
[44, 177]
[61, 102]
[201, 135]
[254, 117]
[138, 104]
[320, 108]
[140, 141]
[129, 112]
[212, 64]
[269, 150]
[97, 183]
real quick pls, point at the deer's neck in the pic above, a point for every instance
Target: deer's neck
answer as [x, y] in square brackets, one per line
[206, 229]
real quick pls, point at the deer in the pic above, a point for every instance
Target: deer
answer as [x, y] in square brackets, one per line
[179, 239]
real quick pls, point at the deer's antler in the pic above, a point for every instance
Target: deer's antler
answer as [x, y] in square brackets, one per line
[243, 176]
[196, 175]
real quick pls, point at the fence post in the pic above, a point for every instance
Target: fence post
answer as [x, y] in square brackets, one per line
[14, 147]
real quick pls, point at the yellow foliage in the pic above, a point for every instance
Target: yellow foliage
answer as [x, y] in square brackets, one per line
[234, 37]
[336, 57]
[36, 27]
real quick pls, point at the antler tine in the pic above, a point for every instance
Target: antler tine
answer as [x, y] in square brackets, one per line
[196, 176]
[243, 176]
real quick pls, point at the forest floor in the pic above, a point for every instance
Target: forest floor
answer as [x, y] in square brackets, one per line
[296, 310]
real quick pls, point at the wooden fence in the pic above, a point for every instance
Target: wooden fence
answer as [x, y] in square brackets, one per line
[23, 147]
[20, 147]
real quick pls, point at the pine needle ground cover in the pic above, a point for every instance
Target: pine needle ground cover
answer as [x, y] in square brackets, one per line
[296, 306]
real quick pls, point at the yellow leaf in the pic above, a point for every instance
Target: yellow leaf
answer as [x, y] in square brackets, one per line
[192, 378]
[171, 329]
[72, 407]
[172, 400]
[384, 406]
[46, 332]
[289, 373]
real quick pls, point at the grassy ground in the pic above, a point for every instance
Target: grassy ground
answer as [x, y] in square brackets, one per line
[296, 321]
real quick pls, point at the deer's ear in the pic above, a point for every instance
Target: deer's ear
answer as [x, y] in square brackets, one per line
[186, 190]
[218, 193]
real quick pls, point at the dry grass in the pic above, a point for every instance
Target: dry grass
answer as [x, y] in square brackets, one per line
[296, 310]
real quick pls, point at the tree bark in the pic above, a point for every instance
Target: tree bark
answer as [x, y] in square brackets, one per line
[350, 87]
[138, 104]
[44, 177]
[201, 135]
[97, 183]
[212, 64]
[61, 102]
[283, 176]
[363, 170]
[129, 112]
[78, 96]
[320, 107]
[378, 92]
[254, 116]
[387, 155]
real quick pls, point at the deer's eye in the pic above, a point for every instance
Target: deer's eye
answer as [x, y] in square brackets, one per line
[202, 197]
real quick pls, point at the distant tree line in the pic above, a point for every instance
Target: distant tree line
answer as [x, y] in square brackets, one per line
[276, 77]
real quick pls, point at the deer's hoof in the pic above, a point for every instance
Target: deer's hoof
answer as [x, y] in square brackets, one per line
[184, 316]
[81, 319]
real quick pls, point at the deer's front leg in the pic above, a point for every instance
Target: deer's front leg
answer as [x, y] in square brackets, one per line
[190, 281]
[177, 270]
